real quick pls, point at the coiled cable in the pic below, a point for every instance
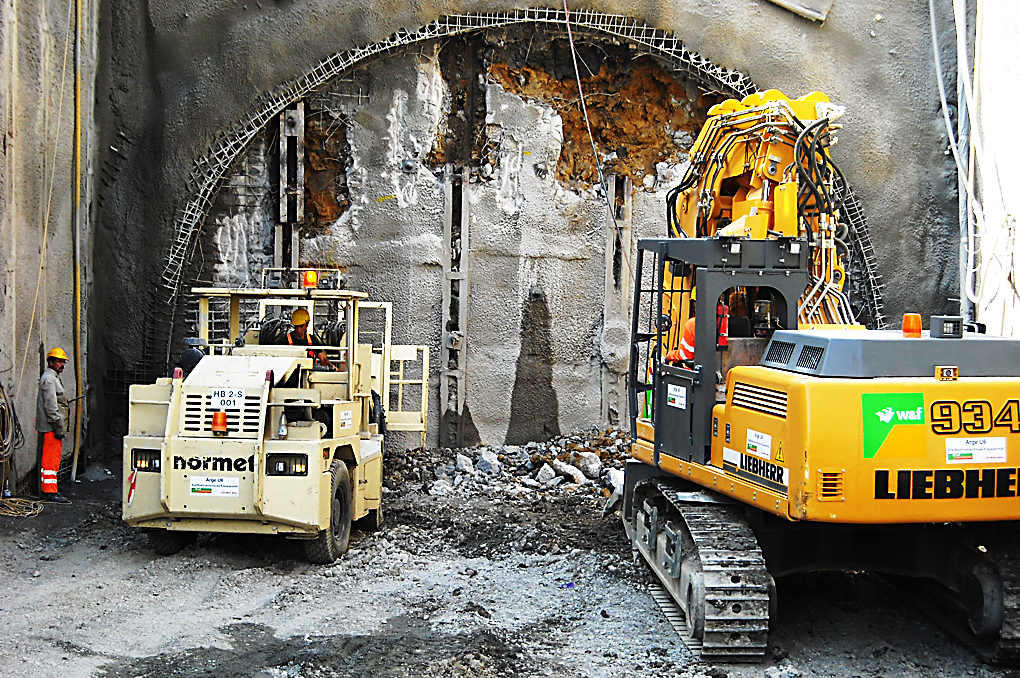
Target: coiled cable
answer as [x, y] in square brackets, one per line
[12, 438]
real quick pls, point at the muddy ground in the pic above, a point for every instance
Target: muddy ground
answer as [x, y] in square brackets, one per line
[484, 576]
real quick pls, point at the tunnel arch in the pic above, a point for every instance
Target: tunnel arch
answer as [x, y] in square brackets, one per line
[209, 170]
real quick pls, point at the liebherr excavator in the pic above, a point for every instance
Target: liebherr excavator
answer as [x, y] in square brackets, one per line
[797, 438]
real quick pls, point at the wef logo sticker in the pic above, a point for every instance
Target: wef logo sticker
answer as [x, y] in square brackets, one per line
[882, 412]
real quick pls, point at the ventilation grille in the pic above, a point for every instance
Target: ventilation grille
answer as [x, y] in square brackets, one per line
[760, 399]
[241, 422]
[830, 485]
[810, 356]
[779, 352]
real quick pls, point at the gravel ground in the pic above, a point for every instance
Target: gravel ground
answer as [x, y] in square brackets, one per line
[502, 572]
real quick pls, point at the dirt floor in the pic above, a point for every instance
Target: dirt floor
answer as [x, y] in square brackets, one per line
[473, 574]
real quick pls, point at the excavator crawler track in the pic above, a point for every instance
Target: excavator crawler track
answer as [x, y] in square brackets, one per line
[708, 559]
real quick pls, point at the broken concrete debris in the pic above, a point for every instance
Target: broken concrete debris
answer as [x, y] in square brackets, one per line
[585, 462]
[488, 462]
[570, 471]
[783, 671]
[589, 464]
[545, 474]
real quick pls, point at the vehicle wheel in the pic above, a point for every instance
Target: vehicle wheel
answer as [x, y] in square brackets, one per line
[167, 542]
[371, 522]
[332, 543]
[984, 601]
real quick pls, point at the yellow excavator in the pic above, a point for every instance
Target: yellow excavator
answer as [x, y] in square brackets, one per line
[798, 435]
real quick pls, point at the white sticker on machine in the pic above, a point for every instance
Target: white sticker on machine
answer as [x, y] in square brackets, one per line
[227, 398]
[759, 444]
[676, 396]
[216, 486]
[975, 450]
[755, 470]
[346, 419]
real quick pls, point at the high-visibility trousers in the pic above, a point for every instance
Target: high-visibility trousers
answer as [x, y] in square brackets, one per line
[52, 451]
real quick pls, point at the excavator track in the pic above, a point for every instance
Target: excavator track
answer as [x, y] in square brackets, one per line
[707, 558]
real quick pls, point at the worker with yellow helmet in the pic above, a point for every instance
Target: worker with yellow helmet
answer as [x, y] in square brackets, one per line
[300, 336]
[51, 416]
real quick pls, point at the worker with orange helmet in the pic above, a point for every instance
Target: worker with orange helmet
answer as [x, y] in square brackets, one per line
[51, 416]
[300, 336]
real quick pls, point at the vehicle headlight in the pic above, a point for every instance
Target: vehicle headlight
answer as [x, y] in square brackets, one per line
[286, 464]
[146, 460]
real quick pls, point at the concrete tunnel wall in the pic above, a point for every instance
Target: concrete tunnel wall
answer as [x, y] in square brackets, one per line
[37, 230]
[544, 354]
[180, 73]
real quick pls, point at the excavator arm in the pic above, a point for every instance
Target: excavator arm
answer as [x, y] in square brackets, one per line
[761, 169]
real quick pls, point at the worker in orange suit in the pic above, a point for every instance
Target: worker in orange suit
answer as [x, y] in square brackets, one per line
[51, 416]
[686, 350]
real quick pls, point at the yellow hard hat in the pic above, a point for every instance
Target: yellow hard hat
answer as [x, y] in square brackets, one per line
[299, 317]
[56, 353]
[694, 294]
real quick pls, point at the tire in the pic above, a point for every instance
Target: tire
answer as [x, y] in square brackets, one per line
[167, 542]
[332, 542]
[371, 522]
[984, 600]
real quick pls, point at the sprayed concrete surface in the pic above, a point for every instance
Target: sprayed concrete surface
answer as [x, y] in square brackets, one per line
[37, 228]
[471, 575]
[182, 73]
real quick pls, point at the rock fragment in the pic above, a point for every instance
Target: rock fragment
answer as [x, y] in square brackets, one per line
[488, 462]
[545, 474]
[569, 471]
[589, 464]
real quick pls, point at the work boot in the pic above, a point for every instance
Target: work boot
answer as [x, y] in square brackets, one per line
[56, 498]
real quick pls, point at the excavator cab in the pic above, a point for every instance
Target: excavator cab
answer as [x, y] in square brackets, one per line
[672, 402]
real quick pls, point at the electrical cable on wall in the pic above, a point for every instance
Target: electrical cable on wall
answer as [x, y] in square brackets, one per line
[979, 240]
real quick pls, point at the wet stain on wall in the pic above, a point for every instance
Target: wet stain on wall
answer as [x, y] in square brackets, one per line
[462, 427]
[534, 407]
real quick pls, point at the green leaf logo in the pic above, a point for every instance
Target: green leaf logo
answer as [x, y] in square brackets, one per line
[880, 412]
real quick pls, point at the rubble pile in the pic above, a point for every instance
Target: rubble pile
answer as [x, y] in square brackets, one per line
[586, 462]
